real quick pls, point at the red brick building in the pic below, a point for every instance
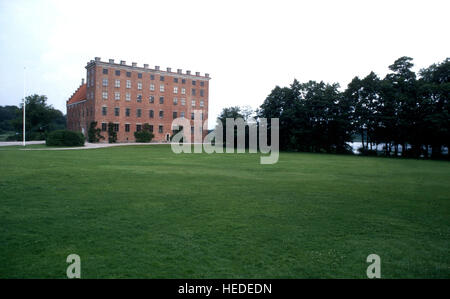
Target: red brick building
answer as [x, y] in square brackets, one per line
[130, 96]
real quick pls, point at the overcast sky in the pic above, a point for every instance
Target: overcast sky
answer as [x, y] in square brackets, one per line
[247, 47]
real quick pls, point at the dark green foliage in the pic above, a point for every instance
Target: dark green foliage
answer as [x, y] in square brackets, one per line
[112, 135]
[94, 133]
[41, 118]
[144, 135]
[397, 111]
[64, 138]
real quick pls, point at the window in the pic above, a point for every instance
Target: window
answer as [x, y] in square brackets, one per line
[128, 74]
[138, 112]
[105, 82]
[183, 81]
[202, 83]
[117, 72]
[161, 100]
[152, 77]
[139, 85]
[117, 95]
[116, 127]
[202, 92]
[183, 90]
[138, 128]
[161, 88]
[193, 91]
[161, 78]
[104, 110]
[192, 115]
[175, 80]
[150, 127]
[139, 98]
[182, 114]
[183, 102]
[175, 101]
[193, 103]
[152, 87]
[161, 114]
[193, 82]
[140, 75]
[160, 129]
[174, 114]
[117, 83]
[127, 127]
[128, 96]
[104, 127]
[151, 99]
[201, 115]
[151, 114]
[105, 71]
[105, 95]
[202, 103]
[127, 112]
[192, 130]
[128, 83]
[175, 89]
[116, 111]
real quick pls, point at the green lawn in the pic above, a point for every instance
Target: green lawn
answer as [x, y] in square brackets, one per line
[144, 212]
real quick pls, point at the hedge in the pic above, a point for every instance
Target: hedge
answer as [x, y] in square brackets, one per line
[65, 138]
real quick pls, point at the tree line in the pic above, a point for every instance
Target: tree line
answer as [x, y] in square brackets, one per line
[407, 114]
[41, 119]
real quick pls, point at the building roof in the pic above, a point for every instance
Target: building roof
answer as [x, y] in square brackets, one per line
[79, 95]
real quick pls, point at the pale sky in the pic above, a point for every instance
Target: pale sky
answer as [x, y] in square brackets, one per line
[247, 47]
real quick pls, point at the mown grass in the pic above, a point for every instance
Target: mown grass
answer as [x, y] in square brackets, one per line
[145, 212]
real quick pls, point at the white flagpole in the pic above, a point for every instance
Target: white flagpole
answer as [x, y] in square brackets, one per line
[24, 104]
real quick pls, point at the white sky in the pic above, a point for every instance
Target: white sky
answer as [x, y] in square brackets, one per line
[247, 47]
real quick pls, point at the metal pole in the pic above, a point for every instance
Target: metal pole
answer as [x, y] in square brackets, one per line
[24, 104]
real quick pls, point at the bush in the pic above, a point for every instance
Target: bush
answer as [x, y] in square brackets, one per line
[94, 133]
[64, 138]
[143, 136]
[112, 135]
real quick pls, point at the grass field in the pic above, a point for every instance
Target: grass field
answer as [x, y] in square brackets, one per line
[144, 212]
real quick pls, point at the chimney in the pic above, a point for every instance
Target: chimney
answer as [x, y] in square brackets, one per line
[188, 72]
[169, 69]
[111, 61]
[197, 73]
[97, 58]
[179, 71]
[123, 62]
[145, 66]
[82, 81]
[206, 75]
[157, 67]
[134, 64]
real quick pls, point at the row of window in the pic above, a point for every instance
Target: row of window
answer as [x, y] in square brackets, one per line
[152, 77]
[152, 87]
[151, 99]
[150, 115]
[139, 128]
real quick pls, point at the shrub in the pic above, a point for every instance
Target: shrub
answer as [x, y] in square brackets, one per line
[144, 135]
[367, 152]
[112, 135]
[94, 133]
[65, 138]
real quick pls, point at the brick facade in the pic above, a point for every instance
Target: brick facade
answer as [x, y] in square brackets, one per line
[133, 92]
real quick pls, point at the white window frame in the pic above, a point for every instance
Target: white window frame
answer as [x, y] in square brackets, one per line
[105, 95]
[117, 83]
[161, 88]
[152, 87]
[175, 89]
[117, 96]
[128, 83]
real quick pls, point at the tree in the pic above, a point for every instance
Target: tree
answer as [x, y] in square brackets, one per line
[41, 118]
